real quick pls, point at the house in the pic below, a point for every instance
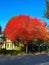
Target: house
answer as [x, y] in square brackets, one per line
[8, 45]
[5, 43]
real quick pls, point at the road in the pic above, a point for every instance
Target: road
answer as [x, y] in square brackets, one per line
[25, 60]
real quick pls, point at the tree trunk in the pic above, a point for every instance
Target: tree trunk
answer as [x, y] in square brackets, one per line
[4, 50]
[26, 48]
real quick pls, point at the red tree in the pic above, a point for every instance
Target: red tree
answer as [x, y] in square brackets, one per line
[25, 27]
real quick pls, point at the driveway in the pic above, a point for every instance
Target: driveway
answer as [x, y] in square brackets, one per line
[25, 60]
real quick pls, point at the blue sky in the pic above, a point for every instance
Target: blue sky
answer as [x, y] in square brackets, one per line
[10, 8]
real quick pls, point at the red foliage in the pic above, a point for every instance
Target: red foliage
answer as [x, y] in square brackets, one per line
[25, 27]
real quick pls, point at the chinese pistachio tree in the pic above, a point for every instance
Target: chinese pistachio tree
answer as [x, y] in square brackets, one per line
[26, 28]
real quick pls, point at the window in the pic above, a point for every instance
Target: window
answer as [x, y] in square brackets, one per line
[11, 45]
[7, 45]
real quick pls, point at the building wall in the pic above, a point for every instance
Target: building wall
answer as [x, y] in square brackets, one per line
[9, 45]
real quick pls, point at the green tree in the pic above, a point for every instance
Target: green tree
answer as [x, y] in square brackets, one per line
[46, 12]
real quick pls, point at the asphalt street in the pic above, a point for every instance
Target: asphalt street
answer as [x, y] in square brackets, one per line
[25, 60]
